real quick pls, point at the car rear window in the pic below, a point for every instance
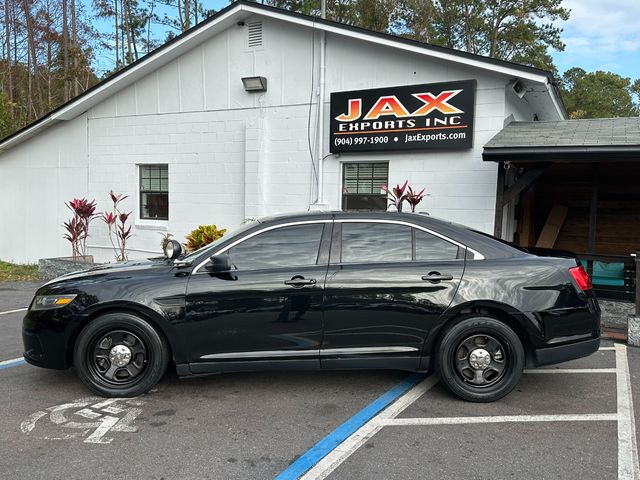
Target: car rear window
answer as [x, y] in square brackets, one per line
[430, 247]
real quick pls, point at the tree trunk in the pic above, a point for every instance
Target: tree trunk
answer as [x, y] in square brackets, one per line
[75, 49]
[132, 32]
[7, 32]
[187, 15]
[33, 61]
[115, 17]
[127, 27]
[65, 49]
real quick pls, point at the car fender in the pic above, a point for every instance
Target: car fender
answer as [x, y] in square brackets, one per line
[157, 319]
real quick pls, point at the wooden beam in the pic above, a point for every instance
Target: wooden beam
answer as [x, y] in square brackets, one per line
[525, 223]
[552, 227]
[497, 226]
[522, 184]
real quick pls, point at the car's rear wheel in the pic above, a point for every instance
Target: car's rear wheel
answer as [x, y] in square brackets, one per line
[480, 359]
[120, 355]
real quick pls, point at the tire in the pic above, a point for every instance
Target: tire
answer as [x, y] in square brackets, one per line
[480, 359]
[120, 355]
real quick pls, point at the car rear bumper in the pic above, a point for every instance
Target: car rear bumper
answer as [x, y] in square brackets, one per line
[563, 353]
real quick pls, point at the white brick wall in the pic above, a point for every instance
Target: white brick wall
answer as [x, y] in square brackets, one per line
[233, 154]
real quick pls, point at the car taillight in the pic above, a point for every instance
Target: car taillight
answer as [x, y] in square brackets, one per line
[581, 277]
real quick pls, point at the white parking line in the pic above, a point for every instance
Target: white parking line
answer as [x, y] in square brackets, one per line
[598, 417]
[343, 451]
[627, 445]
[14, 311]
[572, 370]
[11, 361]
[628, 468]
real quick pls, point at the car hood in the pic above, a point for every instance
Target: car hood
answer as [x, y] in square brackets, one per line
[130, 268]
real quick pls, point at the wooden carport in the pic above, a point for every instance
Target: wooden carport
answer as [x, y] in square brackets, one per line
[573, 185]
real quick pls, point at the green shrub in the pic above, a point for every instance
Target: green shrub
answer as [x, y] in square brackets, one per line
[203, 235]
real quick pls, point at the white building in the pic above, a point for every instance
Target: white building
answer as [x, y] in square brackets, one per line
[182, 113]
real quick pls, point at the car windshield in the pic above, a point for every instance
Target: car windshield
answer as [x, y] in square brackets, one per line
[236, 231]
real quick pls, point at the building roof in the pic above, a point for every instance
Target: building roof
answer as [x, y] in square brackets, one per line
[241, 10]
[585, 139]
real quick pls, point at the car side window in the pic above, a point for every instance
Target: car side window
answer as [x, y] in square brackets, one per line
[430, 247]
[369, 242]
[293, 246]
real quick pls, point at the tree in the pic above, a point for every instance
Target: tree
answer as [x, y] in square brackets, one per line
[521, 31]
[7, 123]
[599, 94]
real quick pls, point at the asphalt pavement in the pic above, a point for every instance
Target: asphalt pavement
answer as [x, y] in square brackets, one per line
[572, 421]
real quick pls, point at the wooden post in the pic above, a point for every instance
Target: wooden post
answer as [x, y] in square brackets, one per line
[638, 284]
[593, 209]
[497, 227]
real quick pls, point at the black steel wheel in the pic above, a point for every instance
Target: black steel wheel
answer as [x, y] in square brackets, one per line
[480, 359]
[120, 355]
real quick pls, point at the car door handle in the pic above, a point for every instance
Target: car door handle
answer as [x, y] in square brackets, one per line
[436, 277]
[299, 281]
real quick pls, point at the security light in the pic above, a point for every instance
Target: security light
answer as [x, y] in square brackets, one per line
[255, 84]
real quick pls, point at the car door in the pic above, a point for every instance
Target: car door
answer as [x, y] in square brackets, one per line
[267, 310]
[387, 286]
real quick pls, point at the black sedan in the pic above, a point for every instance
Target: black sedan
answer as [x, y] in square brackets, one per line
[315, 291]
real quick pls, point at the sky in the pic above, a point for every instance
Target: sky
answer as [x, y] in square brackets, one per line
[599, 35]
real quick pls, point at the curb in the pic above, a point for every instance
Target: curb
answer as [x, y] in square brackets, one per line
[617, 334]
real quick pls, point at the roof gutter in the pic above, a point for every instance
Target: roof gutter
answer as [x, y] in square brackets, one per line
[562, 153]
[556, 98]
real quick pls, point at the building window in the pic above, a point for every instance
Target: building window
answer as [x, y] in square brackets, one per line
[154, 192]
[361, 186]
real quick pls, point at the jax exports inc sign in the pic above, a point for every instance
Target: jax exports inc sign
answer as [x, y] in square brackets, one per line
[414, 117]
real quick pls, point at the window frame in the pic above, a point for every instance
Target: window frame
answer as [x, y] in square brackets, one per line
[336, 240]
[336, 248]
[318, 257]
[323, 248]
[343, 179]
[141, 192]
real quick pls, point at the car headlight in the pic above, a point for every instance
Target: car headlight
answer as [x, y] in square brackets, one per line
[49, 302]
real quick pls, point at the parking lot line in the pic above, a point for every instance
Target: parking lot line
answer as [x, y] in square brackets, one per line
[571, 370]
[14, 311]
[341, 452]
[14, 362]
[598, 417]
[388, 418]
[347, 430]
[628, 468]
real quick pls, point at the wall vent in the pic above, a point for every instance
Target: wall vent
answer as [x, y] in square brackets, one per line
[255, 34]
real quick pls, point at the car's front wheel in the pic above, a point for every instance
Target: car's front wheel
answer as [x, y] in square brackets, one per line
[120, 355]
[480, 359]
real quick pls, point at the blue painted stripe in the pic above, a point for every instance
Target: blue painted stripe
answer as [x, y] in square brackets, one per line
[14, 363]
[321, 449]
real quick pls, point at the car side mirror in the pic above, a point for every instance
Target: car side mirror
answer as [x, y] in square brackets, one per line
[219, 263]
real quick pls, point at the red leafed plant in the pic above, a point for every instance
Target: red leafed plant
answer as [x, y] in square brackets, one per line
[116, 221]
[399, 194]
[413, 198]
[396, 195]
[78, 226]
